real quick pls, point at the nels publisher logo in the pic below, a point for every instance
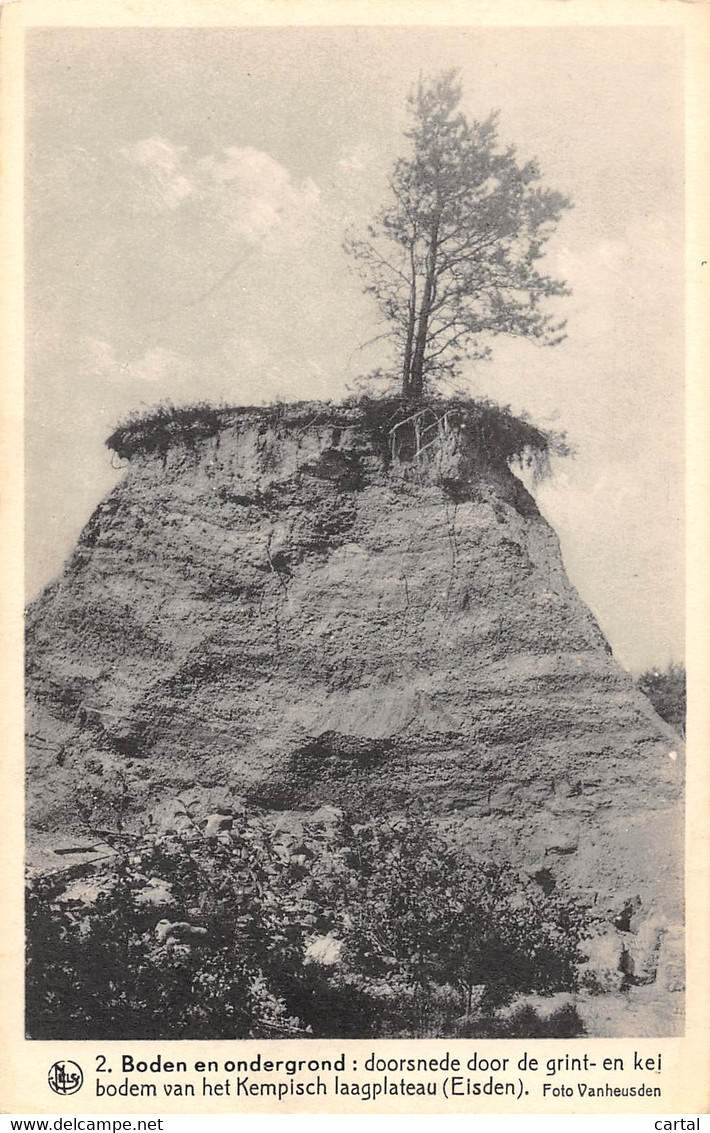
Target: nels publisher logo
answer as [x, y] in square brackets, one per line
[65, 1077]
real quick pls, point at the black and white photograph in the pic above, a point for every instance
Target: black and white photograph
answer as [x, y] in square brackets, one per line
[355, 571]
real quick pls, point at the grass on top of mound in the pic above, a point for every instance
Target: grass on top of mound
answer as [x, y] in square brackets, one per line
[493, 428]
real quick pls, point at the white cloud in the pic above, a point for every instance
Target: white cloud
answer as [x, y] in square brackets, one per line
[634, 265]
[355, 160]
[98, 356]
[256, 197]
[153, 365]
[164, 181]
[245, 189]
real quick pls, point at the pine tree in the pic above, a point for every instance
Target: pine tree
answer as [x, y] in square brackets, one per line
[451, 259]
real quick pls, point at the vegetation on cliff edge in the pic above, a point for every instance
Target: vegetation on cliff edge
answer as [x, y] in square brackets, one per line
[494, 429]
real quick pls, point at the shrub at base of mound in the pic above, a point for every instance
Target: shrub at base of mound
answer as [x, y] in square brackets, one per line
[299, 929]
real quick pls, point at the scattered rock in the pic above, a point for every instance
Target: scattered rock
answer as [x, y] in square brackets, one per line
[324, 950]
[83, 891]
[289, 824]
[178, 932]
[670, 973]
[157, 894]
[325, 816]
[621, 909]
[644, 950]
[605, 968]
[217, 824]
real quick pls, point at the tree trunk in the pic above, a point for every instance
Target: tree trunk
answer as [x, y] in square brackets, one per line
[409, 340]
[416, 377]
[407, 363]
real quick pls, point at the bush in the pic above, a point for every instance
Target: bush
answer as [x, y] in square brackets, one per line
[159, 429]
[527, 1023]
[327, 929]
[666, 691]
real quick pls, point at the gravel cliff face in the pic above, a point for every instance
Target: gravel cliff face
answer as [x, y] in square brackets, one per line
[309, 614]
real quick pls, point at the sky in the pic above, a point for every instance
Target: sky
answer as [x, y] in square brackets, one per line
[187, 196]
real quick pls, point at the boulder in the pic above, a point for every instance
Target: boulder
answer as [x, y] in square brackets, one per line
[178, 932]
[670, 973]
[623, 910]
[605, 967]
[324, 950]
[157, 895]
[83, 891]
[644, 950]
[217, 824]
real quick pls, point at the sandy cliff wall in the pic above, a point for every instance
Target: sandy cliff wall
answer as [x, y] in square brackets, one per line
[308, 613]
